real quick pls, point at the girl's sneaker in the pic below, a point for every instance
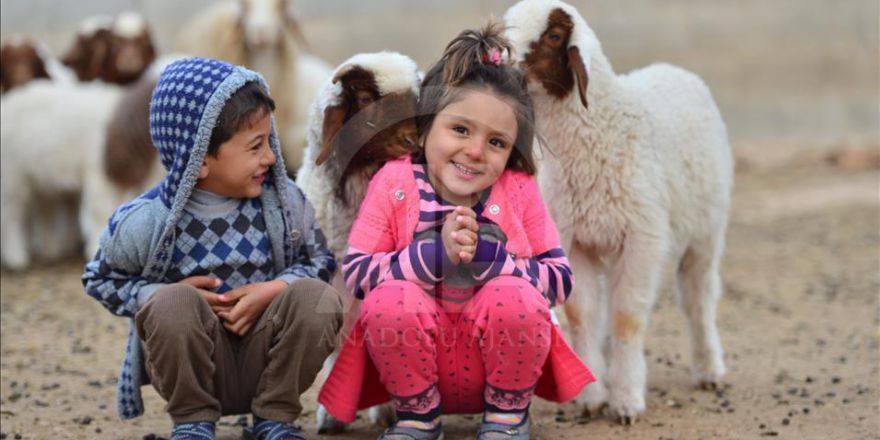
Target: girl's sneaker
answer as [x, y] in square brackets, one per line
[401, 433]
[500, 431]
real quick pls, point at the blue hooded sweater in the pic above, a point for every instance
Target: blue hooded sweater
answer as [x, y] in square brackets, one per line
[138, 243]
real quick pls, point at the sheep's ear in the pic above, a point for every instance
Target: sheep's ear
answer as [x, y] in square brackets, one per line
[334, 118]
[293, 25]
[341, 72]
[580, 72]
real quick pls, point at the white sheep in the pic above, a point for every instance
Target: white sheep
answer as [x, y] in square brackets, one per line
[50, 134]
[53, 136]
[264, 36]
[638, 175]
[361, 118]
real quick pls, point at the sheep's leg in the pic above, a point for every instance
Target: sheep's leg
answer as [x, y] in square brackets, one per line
[13, 229]
[700, 284]
[586, 310]
[634, 281]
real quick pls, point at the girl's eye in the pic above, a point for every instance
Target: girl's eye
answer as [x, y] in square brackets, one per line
[495, 142]
[459, 129]
[555, 38]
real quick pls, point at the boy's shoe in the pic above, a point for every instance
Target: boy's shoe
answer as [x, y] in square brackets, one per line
[193, 431]
[500, 431]
[271, 430]
[400, 433]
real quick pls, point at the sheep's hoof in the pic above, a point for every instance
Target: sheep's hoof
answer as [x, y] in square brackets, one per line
[592, 413]
[709, 385]
[327, 424]
[382, 415]
[627, 420]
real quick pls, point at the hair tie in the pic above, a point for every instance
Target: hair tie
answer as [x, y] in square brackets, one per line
[494, 57]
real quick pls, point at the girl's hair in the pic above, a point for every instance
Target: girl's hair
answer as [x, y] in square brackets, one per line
[473, 61]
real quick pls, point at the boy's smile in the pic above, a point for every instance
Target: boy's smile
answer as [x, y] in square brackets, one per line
[468, 145]
[242, 163]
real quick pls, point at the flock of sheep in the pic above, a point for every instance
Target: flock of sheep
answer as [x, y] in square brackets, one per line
[636, 168]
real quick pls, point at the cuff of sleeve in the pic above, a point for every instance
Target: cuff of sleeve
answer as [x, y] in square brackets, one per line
[146, 292]
[287, 278]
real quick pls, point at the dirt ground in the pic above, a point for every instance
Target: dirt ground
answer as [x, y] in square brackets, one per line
[799, 322]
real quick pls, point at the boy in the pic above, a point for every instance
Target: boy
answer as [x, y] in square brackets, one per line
[217, 265]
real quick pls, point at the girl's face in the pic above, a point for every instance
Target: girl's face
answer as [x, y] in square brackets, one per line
[468, 145]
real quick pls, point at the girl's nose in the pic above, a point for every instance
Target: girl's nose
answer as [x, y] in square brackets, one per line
[474, 149]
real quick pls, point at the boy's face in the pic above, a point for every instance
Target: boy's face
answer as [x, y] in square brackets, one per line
[242, 163]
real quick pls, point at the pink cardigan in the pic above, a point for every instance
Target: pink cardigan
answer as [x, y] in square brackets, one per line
[387, 221]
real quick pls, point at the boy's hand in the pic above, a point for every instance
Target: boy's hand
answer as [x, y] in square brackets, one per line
[459, 235]
[247, 303]
[204, 284]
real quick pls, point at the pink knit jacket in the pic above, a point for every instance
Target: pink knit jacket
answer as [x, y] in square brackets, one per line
[387, 221]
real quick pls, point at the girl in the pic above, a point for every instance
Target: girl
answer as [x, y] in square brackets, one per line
[458, 264]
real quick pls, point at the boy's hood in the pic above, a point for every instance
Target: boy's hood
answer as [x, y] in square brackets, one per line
[186, 104]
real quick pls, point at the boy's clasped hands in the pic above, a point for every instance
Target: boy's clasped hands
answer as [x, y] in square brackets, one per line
[459, 235]
[240, 308]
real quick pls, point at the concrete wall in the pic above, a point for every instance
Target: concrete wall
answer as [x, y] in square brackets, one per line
[799, 70]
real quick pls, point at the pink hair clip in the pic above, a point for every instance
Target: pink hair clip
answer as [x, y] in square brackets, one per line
[494, 56]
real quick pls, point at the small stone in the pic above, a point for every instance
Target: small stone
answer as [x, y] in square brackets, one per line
[835, 380]
[785, 421]
[809, 379]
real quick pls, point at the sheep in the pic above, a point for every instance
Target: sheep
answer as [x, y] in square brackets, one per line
[112, 50]
[53, 149]
[264, 36]
[20, 63]
[49, 135]
[361, 118]
[639, 175]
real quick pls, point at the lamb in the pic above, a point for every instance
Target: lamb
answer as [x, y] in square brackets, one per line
[639, 175]
[49, 137]
[362, 117]
[20, 63]
[53, 136]
[264, 36]
[115, 51]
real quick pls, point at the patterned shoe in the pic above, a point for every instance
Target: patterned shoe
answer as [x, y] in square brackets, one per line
[500, 431]
[271, 430]
[401, 433]
[193, 431]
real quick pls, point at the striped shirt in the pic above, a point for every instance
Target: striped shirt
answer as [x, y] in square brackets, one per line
[426, 263]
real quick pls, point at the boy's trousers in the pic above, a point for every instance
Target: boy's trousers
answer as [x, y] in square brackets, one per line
[204, 371]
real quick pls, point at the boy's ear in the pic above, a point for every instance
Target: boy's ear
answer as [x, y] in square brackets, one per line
[205, 169]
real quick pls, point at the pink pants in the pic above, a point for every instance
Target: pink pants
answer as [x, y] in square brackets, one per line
[485, 352]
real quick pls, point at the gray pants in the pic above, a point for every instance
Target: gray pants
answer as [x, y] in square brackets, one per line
[204, 371]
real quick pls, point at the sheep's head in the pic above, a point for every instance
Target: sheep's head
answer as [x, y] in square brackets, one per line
[264, 22]
[90, 48]
[20, 63]
[366, 126]
[131, 49]
[548, 52]
[118, 51]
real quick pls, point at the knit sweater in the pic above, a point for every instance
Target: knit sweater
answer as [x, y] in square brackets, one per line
[137, 247]
[425, 262]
